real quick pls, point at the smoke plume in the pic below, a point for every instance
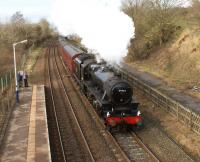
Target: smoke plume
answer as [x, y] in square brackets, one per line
[101, 24]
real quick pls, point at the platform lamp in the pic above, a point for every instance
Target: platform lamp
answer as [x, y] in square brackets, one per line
[15, 69]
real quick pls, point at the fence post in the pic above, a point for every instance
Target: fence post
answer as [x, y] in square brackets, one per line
[167, 105]
[177, 106]
[2, 88]
[10, 77]
[2, 107]
[6, 80]
[190, 122]
[8, 103]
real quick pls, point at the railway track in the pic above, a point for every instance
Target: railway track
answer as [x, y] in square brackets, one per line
[57, 151]
[101, 143]
[70, 143]
[66, 143]
[134, 148]
[76, 131]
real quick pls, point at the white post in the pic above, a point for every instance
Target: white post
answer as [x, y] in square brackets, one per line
[15, 70]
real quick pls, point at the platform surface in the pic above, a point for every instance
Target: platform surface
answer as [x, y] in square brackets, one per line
[26, 138]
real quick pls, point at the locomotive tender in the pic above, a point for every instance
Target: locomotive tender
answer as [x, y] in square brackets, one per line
[110, 95]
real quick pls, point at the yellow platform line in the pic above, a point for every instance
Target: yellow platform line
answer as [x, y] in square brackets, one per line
[32, 124]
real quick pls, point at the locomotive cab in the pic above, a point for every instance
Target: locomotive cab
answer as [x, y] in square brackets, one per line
[84, 69]
[81, 62]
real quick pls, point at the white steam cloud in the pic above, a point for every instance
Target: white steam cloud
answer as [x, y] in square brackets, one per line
[101, 24]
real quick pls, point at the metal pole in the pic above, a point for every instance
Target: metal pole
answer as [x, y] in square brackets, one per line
[16, 82]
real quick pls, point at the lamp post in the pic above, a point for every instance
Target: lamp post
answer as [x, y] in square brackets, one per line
[15, 69]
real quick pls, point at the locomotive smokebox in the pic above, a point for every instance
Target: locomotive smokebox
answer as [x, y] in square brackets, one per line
[119, 91]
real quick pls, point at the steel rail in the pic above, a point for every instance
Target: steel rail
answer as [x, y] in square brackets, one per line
[54, 109]
[139, 141]
[71, 108]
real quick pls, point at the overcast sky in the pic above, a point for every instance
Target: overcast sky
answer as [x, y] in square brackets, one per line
[31, 9]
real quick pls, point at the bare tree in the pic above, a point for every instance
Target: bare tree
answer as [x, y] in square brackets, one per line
[17, 18]
[155, 23]
[75, 37]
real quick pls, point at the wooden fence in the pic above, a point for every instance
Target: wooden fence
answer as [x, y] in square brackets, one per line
[182, 113]
[5, 81]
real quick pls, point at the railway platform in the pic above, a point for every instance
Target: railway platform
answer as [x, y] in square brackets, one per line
[26, 138]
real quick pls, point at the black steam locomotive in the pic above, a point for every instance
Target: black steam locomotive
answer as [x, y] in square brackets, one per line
[110, 95]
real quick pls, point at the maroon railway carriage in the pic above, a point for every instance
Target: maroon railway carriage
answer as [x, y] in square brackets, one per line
[69, 53]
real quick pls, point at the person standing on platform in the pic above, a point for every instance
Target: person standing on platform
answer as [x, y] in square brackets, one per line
[20, 78]
[25, 78]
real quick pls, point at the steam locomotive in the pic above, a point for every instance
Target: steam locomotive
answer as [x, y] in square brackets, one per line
[110, 95]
